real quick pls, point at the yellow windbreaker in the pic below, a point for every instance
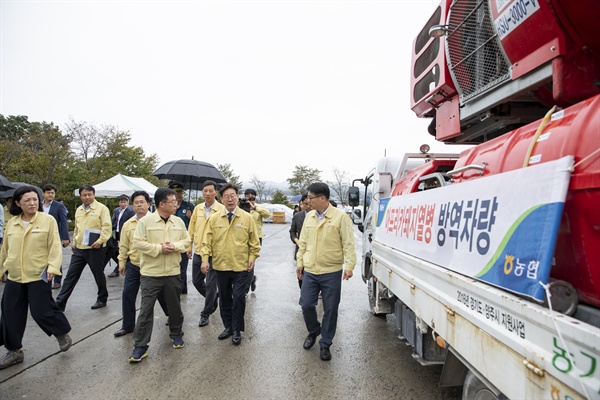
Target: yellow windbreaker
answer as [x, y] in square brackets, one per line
[96, 217]
[325, 245]
[198, 221]
[231, 245]
[27, 251]
[150, 232]
[258, 216]
[126, 249]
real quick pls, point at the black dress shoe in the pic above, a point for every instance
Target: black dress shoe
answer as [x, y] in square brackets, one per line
[122, 332]
[203, 321]
[98, 304]
[225, 334]
[237, 337]
[113, 274]
[325, 354]
[311, 339]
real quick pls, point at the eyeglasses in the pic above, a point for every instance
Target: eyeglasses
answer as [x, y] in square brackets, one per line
[170, 202]
[314, 197]
[250, 198]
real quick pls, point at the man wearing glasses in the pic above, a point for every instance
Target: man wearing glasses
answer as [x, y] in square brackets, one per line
[160, 237]
[258, 213]
[326, 242]
[231, 238]
[129, 263]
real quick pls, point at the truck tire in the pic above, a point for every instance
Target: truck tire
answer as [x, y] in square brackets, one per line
[475, 389]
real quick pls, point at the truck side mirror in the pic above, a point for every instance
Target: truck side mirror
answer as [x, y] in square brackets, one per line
[353, 196]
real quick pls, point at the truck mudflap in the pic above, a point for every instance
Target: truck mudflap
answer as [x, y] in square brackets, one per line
[523, 349]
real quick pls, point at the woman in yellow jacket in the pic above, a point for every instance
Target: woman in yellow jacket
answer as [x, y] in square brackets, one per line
[32, 255]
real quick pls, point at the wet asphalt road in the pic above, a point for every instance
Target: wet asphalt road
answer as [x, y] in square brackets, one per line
[369, 362]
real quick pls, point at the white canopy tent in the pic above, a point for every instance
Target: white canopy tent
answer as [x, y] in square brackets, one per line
[121, 184]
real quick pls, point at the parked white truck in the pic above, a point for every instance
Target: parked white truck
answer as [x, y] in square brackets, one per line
[490, 259]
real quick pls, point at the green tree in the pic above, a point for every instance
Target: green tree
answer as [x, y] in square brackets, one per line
[32, 152]
[39, 153]
[229, 175]
[280, 198]
[303, 177]
[104, 151]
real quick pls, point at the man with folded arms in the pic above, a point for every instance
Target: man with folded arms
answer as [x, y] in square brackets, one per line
[160, 237]
[129, 264]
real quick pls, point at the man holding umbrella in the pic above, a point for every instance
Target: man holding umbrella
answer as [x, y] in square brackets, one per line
[184, 211]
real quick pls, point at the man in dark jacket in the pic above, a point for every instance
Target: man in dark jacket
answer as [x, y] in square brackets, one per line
[297, 222]
[59, 212]
[120, 215]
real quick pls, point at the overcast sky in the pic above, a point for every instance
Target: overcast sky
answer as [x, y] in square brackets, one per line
[262, 85]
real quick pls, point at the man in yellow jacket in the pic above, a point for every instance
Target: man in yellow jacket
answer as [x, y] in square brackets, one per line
[205, 284]
[231, 238]
[129, 263]
[92, 230]
[326, 242]
[160, 238]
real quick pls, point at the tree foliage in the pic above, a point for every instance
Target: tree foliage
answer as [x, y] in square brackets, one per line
[104, 152]
[39, 152]
[280, 198]
[32, 152]
[340, 184]
[229, 175]
[302, 178]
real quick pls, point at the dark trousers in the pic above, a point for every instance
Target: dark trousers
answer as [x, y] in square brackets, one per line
[38, 296]
[251, 274]
[131, 287]
[79, 259]
[58, 278]
[112, 252]
[232, 298]
[183, 264]
[151, 287]
[330, 286]
[206, 285]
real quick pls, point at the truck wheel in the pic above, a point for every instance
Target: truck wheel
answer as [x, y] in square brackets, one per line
[475, 389]
[372, 291]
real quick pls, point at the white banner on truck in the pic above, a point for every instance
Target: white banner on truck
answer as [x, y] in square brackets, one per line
[500, 229]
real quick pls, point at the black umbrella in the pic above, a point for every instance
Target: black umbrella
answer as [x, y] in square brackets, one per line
[5, 194]
[5, 184]
[191, 173]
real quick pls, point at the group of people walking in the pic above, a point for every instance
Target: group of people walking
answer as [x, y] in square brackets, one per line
[221, 238]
